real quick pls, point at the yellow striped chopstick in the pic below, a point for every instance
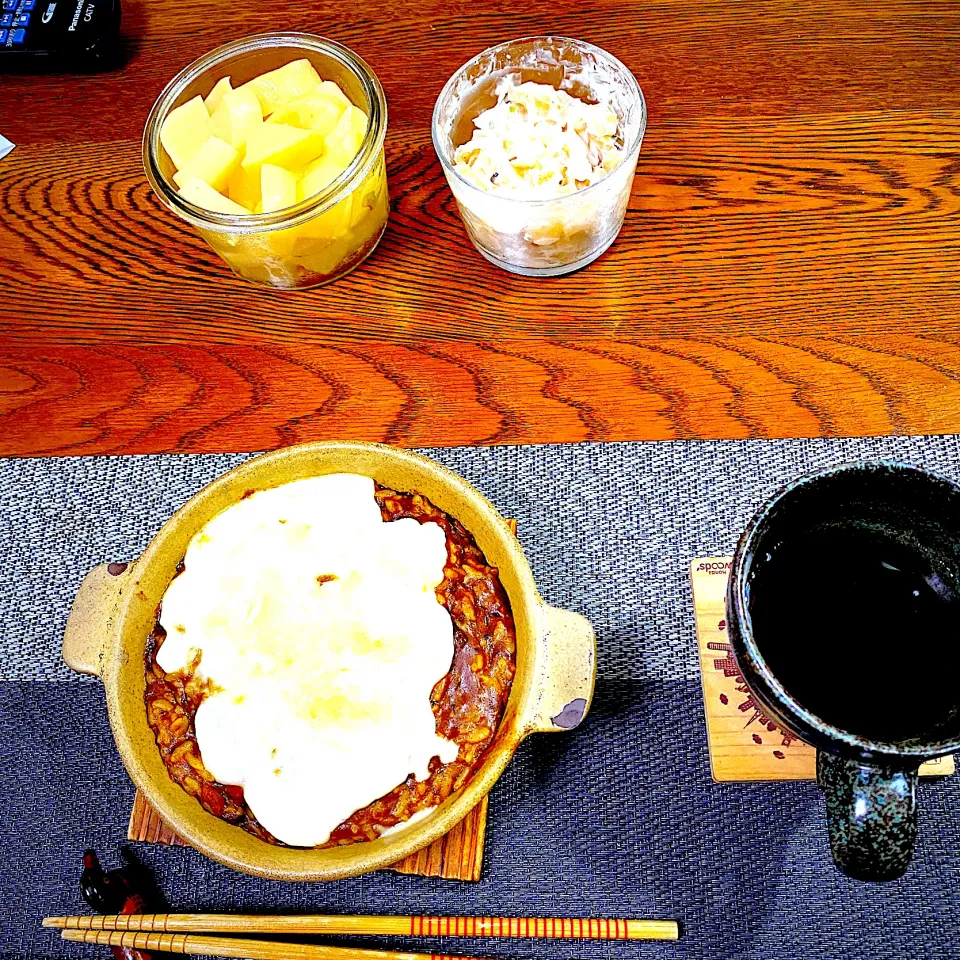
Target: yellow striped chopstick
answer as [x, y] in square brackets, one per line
[536, 927]
[237, 947]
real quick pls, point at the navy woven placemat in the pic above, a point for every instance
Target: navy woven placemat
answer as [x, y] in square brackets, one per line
[618, 818]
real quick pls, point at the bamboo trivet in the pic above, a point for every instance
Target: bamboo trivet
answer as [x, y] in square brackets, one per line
[458, 855]
[745, 744]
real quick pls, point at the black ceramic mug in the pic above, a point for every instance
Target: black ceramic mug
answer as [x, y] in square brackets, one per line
[844, 616]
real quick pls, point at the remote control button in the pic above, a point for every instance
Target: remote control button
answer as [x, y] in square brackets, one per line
[19, 35]
[22, 20]
[3, 36]
[6, 20]
[10, 4]
[28, 4]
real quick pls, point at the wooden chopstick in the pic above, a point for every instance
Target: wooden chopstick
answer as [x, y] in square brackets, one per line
[537, 927]
[238, 947]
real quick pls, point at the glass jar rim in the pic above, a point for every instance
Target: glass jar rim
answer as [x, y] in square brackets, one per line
[304, 210]
[583, 45]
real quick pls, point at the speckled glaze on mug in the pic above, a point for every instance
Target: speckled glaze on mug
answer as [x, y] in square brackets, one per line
[870, 786]
[116, 608]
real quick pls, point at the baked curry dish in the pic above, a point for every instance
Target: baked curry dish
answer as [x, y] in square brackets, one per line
[331, 661]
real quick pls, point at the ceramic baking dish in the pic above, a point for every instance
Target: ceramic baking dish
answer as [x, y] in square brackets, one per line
[116, 608]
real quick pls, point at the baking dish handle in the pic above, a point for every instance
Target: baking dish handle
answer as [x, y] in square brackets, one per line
[91, 617]
[567, 669]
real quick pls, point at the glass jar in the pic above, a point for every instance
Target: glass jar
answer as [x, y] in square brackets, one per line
[323, 236]
[532, 237]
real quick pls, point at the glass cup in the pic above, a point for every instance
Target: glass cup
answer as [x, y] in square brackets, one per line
[323, 236]
[542, 238]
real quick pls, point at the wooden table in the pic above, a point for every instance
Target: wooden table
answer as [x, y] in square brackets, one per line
[789, 266]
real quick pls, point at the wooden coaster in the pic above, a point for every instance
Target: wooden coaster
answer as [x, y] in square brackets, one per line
[457, 855]
[745, 744]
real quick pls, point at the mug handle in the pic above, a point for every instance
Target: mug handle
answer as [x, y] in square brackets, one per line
[871, 816]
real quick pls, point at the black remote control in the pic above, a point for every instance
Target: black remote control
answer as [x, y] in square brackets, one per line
[66, 33]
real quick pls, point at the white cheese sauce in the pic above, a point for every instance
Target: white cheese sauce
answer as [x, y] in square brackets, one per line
[537, 143]
[318, 625]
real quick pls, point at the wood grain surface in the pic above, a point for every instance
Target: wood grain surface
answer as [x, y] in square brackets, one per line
[789, 265]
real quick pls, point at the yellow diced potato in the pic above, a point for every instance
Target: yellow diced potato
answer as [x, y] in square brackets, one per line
[239, 113]
[367, 198]
[214, 97]
[323, 256]
[185, 130]
[332, 91]
[203, 195]
[282, 145]
[312, 111]
[278, 86]
[344, 143]
[212, 163]
[318, 176]
[278, 188]
[243, 187]
[280, 244]
[330, 224]
[323, 253]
